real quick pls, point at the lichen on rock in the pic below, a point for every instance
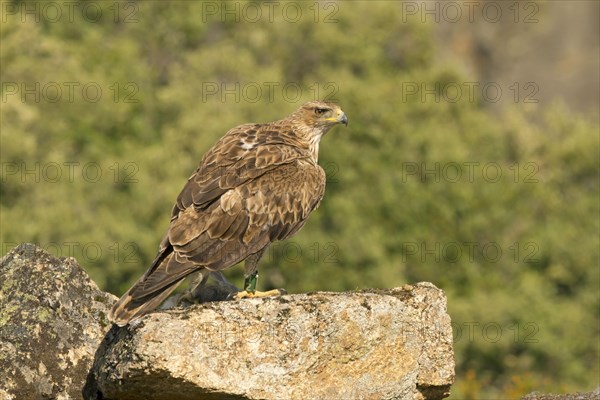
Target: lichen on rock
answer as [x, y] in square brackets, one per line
[51, 316]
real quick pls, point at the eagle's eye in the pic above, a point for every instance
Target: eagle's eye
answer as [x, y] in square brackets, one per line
[320, 111]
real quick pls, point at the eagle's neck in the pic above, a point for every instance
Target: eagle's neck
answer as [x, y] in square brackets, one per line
[309, 137]
[298, 133]
[313, 145]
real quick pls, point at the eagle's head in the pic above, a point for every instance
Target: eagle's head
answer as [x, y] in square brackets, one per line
[313, 119]
[320, 115]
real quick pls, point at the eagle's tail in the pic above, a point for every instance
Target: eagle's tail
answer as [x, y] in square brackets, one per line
[150, 290]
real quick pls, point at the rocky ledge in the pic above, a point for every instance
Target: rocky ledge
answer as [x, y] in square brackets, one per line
[55, 342]
[392, 344]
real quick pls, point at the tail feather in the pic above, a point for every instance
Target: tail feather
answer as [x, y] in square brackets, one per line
[163, 277]
[129, 308]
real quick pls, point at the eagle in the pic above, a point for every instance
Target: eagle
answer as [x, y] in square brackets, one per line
[258, 184]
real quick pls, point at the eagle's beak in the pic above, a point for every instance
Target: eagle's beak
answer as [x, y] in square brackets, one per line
[342, 119]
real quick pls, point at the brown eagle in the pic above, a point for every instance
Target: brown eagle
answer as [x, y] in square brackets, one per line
[258, 184]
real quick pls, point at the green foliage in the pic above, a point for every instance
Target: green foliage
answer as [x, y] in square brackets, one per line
[499, 211]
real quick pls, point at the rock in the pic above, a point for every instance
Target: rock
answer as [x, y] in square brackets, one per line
[373, 344]
[389, 344]
[595, 395]
[52, 320]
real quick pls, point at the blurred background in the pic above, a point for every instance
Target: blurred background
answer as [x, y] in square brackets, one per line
[471, 159]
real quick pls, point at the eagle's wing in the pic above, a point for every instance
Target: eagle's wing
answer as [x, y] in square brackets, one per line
[244, 195]
[238, 157]
[248, 216]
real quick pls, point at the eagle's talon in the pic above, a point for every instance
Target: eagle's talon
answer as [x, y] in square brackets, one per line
[232, 296]
[249, 295]
[241, 295]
